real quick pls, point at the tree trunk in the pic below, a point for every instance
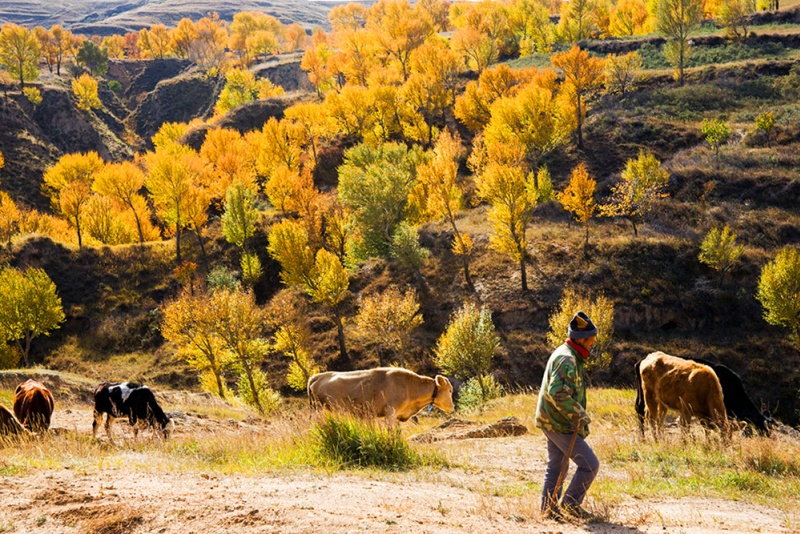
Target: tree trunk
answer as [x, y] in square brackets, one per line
[523, 274]
[178, 243]
[202, 246]
[580, 124]
[340, 333]
[467, 277]
[219, 384]
[253, 390]
[635, 232]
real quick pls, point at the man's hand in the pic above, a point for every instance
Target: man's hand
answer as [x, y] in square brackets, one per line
[580, 421]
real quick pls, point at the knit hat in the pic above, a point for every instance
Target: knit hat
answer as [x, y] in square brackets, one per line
[581, 327]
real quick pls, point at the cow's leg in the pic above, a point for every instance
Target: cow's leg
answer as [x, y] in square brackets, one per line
[651, 409]
[109, 422]
[98, 420]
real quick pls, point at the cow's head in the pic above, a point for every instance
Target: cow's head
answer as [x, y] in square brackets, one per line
[443, 399]
[167, 427]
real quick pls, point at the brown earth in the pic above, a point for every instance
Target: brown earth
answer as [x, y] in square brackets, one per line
[112, 499]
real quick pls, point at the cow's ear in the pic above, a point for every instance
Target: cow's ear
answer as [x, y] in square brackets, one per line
[442, 381]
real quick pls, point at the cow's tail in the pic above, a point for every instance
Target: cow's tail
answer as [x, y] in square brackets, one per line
[639, 397]
[313, 400]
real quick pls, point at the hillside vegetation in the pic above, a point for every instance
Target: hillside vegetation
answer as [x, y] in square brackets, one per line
[279, 187]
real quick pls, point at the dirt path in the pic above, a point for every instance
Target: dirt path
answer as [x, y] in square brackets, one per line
[110, 500]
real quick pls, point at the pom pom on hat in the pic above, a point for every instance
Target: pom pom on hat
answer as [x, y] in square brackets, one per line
[581, 327]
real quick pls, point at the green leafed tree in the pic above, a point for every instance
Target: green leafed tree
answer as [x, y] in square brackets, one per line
[374, 183]
[93, 58]
[779, 291]
[29, 307]
[717, 134]
[642, 183]
[675, 21]
[239, 225]
[468, 345]
[720, 251]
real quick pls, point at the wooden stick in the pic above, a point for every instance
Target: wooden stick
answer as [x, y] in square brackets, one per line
[563, 472]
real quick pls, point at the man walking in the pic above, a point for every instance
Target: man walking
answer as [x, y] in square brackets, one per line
[561, 413]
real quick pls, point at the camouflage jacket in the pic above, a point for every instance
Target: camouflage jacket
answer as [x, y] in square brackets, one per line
[563, 393]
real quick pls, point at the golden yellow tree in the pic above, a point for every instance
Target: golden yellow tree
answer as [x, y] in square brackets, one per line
[311, 129]
[173, 176]
[577, 20]
[68, 183]
[123, 183]
[622, 72]
[512, 198]
[582, 74]
[321, 275]
[387, 319]
[182, 36]
[188, 324]
[439, 194]
[230, 158]
[114, 45]
[628, 18]
[155, 42]
[19, 52]
[287, 314]
[578, 197]
[85, 89]
[397, 31]
[533, 122]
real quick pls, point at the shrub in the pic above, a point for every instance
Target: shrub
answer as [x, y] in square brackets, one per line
[33, 95]
[351, 442]
[472, 395]
[222, 278]
[115, 86]
[268, 398]
[9, 356]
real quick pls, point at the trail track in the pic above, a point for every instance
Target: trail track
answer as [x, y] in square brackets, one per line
[112, 499]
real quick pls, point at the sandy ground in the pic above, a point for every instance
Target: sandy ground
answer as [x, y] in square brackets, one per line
[111, 500]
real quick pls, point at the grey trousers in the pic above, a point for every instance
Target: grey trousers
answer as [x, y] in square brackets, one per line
[584, 458]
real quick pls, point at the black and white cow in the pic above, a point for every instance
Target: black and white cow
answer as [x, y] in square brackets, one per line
[134, 401]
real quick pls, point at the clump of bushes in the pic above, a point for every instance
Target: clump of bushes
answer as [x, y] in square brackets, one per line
[347, 441]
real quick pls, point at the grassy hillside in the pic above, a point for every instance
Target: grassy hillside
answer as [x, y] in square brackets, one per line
[664, 298]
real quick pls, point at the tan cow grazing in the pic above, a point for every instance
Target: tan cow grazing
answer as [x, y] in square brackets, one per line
[689, 387]
[33, 405]
[389, 392]
[9, 426]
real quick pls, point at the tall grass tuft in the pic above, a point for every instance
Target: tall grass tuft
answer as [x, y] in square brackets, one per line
[348, 441]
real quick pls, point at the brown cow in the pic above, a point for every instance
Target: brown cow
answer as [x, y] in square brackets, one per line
[33, 405]
[386, 391]
[9, 426]
[689, 387]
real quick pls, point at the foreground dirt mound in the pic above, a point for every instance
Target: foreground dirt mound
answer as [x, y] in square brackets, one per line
[461, 429]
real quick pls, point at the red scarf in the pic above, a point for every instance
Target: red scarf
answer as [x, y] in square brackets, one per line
[583, 352]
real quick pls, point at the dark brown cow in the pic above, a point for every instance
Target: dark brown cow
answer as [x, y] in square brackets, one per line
[33, 405]
[9, 426]
[688, 387]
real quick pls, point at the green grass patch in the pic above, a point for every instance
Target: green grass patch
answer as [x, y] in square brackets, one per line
[347, 441]
[653, 55]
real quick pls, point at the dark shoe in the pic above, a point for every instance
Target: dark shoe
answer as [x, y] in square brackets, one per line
[553, 514]
[576, 512]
